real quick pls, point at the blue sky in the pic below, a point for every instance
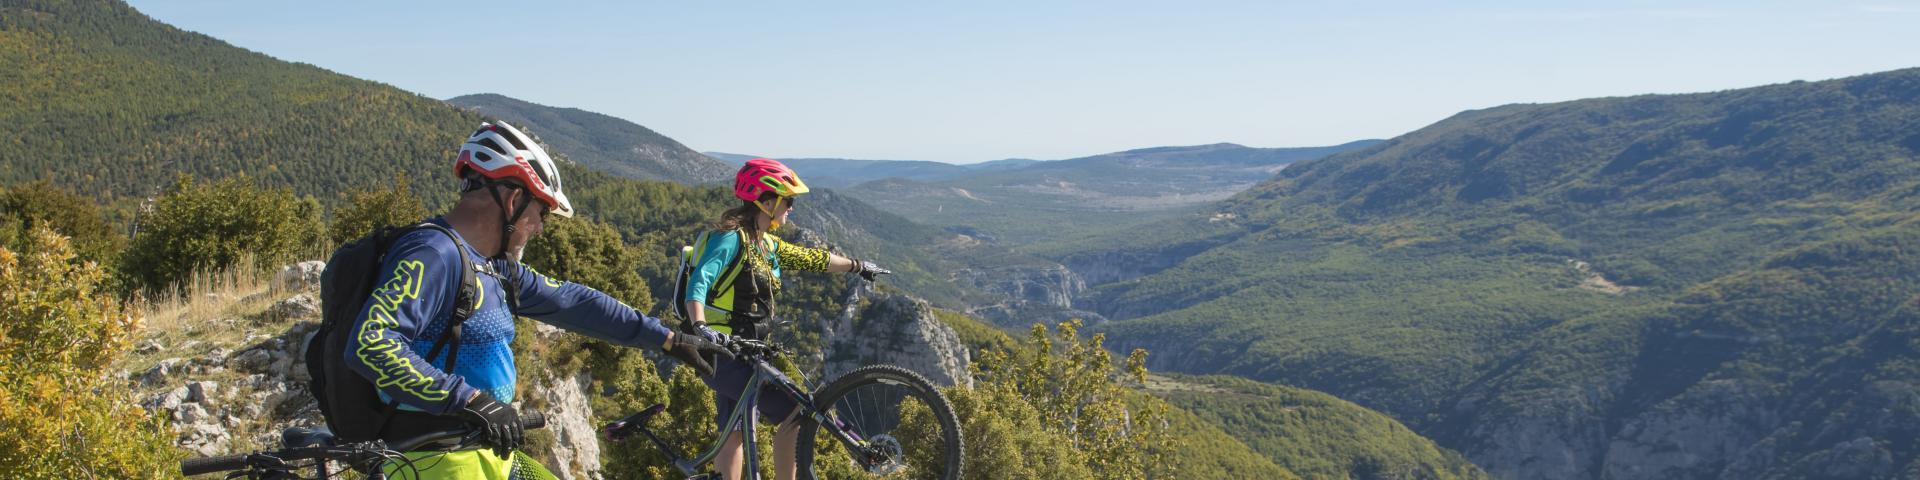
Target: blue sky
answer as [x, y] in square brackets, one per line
[965, 82]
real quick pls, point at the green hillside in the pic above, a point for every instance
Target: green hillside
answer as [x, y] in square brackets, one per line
[1672, 286]
[1310, 432]
[603, 142]
[99, 98]
[1232, 428]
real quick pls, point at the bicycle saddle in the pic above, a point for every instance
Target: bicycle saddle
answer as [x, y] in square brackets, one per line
[625, 427]
[301, 437]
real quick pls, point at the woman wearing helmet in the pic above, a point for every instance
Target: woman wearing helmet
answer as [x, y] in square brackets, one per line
[732, 286]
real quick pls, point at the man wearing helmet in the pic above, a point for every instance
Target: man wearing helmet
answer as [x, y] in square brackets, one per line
[508, 185]
[741, 302]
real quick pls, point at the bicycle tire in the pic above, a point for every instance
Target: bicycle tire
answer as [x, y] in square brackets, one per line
[952, 444]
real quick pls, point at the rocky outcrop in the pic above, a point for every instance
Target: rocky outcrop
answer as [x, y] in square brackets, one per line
[564, 400]
[1693, 435]
[212, 417]
[1050, 284]
[893, 329]
[303, 276]
[1041, 293]
[1021, 315]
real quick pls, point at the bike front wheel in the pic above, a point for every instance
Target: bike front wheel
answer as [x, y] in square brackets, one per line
[886, 422]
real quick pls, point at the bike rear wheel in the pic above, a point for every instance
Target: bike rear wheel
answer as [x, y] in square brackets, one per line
[903, 421]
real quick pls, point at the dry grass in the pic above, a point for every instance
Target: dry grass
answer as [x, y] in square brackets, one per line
[216, 310]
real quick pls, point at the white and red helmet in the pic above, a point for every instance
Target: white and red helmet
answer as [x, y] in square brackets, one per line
[499, 151]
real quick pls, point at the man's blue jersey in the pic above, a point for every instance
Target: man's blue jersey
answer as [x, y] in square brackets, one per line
[411, 305]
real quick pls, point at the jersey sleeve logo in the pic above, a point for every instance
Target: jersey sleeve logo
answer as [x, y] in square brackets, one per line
[381, 354]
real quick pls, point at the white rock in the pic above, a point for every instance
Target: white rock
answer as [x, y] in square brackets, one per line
[295, 307]
[191, 413]
[254, 360]
[168, 401]
[282, 366]
[199, 392]
[300, 276]
[160, 371]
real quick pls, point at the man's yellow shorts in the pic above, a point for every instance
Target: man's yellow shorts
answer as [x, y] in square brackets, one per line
[467, 465]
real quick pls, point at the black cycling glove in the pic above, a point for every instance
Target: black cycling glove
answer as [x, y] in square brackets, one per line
[868, 270]
[693, 350]
[498, 423]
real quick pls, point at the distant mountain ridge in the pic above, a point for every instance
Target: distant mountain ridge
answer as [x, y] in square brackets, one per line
[1025, 203]
[602, 141]
[1714, 285]
[845, 172]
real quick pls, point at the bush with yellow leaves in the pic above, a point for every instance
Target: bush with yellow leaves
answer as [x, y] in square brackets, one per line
[63, 414]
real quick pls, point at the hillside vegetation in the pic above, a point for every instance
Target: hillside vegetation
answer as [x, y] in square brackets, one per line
[1671, 286]
[101, 99]
[603, 142]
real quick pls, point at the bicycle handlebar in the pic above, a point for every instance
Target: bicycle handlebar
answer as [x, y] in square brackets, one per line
[204, 465]
[196, 466]
[528, 421]
[743, 347]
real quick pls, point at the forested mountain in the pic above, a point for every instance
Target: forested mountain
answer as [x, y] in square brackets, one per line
[1712, 285]
[104, 100]
[101, 99]
[603, 142]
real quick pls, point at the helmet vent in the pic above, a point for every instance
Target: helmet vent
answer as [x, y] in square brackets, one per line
[483, 156]
[542, 173]
[489, 143]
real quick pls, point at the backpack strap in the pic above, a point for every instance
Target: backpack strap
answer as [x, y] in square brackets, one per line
[498, 269]
[733, 269]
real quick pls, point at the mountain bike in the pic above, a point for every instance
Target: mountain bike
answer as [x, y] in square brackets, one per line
[882, 421]
[303, 448]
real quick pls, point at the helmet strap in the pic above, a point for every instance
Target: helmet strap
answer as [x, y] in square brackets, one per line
[507, 219]
[773, 221]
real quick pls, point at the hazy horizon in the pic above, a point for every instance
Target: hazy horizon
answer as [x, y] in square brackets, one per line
[978, 82]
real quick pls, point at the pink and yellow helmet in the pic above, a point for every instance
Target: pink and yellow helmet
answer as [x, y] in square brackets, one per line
[762, 175]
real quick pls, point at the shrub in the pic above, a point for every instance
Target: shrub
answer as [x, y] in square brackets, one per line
[64, 416]
[1079, 395]
[198, 228]
[374, 208]
[74, 216]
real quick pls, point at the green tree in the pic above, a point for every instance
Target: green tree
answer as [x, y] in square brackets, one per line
[24, 206]
[371, 209]
[1076, 391]
[589, 253]
[198, 228]
[64, 416]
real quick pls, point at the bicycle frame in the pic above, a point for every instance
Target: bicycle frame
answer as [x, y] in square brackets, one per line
[744, 413]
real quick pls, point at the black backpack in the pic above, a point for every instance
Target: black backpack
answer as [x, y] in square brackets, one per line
[349, 401]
